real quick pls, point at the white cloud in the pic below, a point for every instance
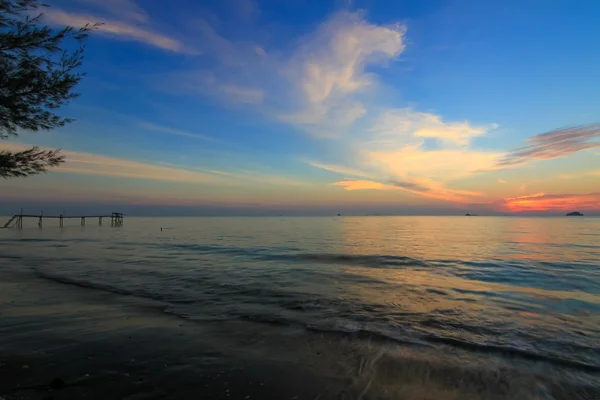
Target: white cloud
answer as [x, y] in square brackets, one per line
[118, 29]
[405, 126]
[325, 87]
[173, 131]
[330, 68]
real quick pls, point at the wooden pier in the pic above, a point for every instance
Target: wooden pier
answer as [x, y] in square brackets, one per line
[116, 219]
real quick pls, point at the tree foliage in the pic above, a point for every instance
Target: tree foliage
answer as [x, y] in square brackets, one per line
[38, 73]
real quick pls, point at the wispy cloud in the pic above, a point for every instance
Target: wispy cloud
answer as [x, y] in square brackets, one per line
[208, 83]
[96, 164]
[173, 131]
[246, 10]
[412, 186]
[423, 188]
[126, 9]
[242, 95]
[554, 144]
[329, 70]
[341, 169]
[325, 85]
[358, 184]
[119, 29]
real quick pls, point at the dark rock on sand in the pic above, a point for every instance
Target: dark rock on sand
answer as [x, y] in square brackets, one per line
[57, 384]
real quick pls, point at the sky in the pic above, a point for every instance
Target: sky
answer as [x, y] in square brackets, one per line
[320, 107]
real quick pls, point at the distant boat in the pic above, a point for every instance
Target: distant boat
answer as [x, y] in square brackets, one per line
[575, 214]
[470, 215]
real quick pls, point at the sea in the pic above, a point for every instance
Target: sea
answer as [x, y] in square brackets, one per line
[499, 292]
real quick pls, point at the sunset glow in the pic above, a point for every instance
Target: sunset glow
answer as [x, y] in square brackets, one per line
[353, 105]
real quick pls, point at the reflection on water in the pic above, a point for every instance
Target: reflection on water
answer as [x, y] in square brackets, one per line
[523, 288]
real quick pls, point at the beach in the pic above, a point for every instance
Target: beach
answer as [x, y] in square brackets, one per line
[71, 330]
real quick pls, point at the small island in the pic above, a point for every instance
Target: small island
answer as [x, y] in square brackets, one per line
[575, 214]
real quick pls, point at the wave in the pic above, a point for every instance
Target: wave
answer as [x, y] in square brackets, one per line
[350, 332]
[373, 261]
[512, 351]
[426, 341]
[271, 254]
[85, 284]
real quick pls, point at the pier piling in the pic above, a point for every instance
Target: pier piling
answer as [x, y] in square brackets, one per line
[116, 219]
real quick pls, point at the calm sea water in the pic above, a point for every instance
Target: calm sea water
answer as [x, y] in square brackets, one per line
[524, 288]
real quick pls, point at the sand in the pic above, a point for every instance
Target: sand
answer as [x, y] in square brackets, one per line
[65, 342]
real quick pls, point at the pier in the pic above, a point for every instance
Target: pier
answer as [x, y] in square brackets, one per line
[116, 219]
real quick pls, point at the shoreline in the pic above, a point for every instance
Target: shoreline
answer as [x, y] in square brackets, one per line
[64, 342]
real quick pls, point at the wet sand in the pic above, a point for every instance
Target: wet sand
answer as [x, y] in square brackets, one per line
[99, 348]
[65, 342]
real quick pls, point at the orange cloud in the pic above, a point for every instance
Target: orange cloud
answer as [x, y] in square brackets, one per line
[420, 187]
[351, 184]
[552, 202]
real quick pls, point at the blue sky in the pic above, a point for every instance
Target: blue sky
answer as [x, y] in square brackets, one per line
[305, 106]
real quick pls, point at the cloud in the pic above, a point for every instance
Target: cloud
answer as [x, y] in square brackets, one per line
[172, 131]
[501, 181]
[413, 162]
[551, 202]
[330, 68]
[246, 10]
[352, 184]
[407, 126]
[260, 51]
[208, 83]
[125, 9]
[118, 29]
[95, 164]
[340, 169]
[422, 188]
[554, 144]
[435, 190]
[242, 95]
[412, 186]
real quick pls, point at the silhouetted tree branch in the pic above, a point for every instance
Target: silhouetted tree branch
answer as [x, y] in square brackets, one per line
[37, 76]
[20, 164]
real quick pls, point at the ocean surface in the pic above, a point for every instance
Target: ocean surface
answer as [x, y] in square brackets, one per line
[525, 291]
